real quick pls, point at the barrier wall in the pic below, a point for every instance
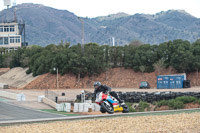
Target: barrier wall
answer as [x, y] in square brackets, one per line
[84, 107]
[11, 95]
[3, 86]
[49, 102]
[64, 107]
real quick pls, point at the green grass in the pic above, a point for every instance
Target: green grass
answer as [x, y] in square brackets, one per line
[59, 112]
[4, 100]
[131, 109]
[142, 106]
[179, 102]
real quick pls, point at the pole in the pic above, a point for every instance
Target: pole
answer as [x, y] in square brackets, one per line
[82, 34]
[57, 79]
[24, 34]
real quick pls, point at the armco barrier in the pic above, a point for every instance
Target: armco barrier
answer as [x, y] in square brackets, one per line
[11, 95]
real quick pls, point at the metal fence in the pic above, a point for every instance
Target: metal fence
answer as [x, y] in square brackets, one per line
[50, 95]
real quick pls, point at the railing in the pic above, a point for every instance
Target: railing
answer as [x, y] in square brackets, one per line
[50, 95]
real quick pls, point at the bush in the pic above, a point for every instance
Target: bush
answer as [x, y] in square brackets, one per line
[175, 104]
[162, 103]
[131, 109]
[142, 106]
[28, 71]
[198, 101]
[186, 99]
[179, 102]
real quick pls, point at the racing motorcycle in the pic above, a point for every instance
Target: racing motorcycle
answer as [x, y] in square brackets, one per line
[110, 104]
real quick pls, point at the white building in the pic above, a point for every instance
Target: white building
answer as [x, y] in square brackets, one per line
[10, 37]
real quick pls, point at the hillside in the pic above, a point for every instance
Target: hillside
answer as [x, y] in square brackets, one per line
[45, 25]
[16, 77]
[116, 78]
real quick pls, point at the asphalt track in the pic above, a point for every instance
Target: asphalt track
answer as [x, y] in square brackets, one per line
[39, 116]
[10, 112]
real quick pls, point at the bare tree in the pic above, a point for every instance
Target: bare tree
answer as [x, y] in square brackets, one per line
[142, 69]
[136, 43]
[159, 66]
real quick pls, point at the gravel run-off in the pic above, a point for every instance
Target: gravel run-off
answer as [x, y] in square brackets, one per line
[176, 123]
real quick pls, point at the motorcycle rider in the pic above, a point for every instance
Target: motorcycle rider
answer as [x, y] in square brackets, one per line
[98, 87]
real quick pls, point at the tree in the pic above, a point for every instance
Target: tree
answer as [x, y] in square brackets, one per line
[136, 43]
[196, 62]
[1, 60]
[145, 55]
[142, 69]
[159, 65]
[182, 59]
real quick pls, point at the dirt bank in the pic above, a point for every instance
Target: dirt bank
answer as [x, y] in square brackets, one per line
[116, 78]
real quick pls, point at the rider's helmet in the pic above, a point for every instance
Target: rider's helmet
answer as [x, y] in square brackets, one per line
[97, 84]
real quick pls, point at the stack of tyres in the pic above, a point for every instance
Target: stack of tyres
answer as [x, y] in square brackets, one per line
[136, 97]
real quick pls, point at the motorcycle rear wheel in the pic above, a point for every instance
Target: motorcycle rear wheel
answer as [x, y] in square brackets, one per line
[125, 109]
[107, 108]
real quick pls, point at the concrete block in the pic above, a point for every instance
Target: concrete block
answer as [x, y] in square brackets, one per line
[76, 107]
[80, 107]
[40, 98]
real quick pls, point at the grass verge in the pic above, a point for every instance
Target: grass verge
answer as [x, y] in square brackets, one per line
[54, 111]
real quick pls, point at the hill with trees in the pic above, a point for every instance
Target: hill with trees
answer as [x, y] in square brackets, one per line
[45, 25]
[93, 59]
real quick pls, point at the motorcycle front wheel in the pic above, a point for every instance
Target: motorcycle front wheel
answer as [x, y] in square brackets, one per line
[102, 110]
[107, 107]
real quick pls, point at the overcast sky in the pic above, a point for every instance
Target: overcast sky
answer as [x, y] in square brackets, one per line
[94, 8]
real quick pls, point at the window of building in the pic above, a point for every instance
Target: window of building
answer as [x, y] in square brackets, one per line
[1, 28]
[5, 40]
[6, 28]
[12, 39]
[12, 28]
[17, 39]
[1, 40]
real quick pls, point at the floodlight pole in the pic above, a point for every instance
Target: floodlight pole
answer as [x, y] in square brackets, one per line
[83, 36]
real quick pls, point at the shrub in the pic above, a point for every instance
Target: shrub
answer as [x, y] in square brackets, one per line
[198, 101]
[131, 109]
[175, 104]
[162, 103]
[142, 106]
[186, 99]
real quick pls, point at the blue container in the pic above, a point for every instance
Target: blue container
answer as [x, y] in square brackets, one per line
[159, 82]
[170, 81]
[179, 81]
[165, 82]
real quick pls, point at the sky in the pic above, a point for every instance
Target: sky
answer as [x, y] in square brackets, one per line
[94, 8]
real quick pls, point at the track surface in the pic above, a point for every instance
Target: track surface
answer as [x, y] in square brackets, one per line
[9, 112]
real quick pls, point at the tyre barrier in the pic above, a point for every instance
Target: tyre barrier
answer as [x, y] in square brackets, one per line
[136, 97]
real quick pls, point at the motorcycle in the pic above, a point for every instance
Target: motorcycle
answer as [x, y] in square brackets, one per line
[110, 104]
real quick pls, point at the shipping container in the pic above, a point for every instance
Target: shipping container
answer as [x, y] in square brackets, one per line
[170, 81]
